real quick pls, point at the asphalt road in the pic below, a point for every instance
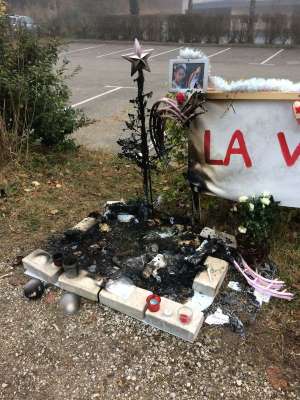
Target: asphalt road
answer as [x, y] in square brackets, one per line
[103, 86]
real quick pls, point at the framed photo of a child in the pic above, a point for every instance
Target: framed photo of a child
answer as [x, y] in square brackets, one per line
[188, 75]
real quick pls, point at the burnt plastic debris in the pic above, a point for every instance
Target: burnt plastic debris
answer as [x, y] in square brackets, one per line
[168, 275]
[137, 208]
[164, 233]
[126, 250]
[152, 268]
[34, 289]
[195, 259]
[96, 215]
[135, 265]
[58, 259]
[236, 325]
[152, 248]
[70, 266]
[268, 269]
[238, 305]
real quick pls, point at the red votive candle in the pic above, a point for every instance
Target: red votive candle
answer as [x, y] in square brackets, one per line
[153, 303]
[185, 315]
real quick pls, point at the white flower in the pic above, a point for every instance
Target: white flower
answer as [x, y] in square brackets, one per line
[234, 209]
[242, 229]
[243, 199]
[251, 206]
[265, 201]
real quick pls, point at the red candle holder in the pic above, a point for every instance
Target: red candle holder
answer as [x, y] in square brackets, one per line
[185, 315]
[153, 303]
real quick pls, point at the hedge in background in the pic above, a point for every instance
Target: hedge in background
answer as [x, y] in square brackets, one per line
[189, 28]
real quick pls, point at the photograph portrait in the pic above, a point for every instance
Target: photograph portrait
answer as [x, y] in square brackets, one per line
[188, 75]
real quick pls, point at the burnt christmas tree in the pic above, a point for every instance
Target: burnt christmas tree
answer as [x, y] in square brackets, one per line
[135, 146]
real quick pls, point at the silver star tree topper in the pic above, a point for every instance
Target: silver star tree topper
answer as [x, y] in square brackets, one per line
[138, 59]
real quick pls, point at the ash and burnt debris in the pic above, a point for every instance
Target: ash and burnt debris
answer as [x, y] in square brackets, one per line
[160, 255]
[157, 254]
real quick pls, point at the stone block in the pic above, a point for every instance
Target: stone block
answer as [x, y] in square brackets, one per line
[134, 305]
[39, 263]
[229, 240]
[167, 319]
[209, 282]
[82, 285]
[82, 228]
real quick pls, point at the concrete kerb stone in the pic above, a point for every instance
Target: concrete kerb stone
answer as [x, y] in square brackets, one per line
[82, 285]
[40, 263]
[167, 320]
[209, 282]
[134, 305]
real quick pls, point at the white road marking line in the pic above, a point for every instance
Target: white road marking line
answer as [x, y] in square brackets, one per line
[83, 49]
[267, 65]
[122, 87]
[96, 97]
[164, 52]
[219, 52]
[114, 52]
[271, 58]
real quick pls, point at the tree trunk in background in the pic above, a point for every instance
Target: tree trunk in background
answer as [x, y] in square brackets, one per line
[252, 14]
[190, 6]
[134, 7]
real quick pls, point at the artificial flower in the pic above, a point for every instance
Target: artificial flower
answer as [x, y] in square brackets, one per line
[266, 201]
[251, 206]
[181, 98]
[242, 229]
[243, 199]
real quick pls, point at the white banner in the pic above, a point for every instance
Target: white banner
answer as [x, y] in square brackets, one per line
[246, 147]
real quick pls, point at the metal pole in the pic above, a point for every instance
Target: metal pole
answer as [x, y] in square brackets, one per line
[144, 140]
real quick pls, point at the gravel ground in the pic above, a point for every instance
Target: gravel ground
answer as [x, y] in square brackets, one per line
[102, 354]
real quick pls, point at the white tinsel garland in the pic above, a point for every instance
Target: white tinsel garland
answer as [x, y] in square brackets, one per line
[194, 54]
[191, 54]
[254, 85]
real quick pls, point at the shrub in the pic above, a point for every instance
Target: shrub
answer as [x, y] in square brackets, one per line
[34, 96]
[256, 217]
